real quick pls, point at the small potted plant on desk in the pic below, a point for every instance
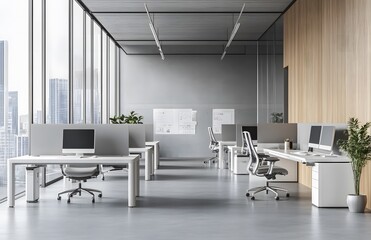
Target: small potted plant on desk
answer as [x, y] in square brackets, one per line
[358, 148]
[132, 118]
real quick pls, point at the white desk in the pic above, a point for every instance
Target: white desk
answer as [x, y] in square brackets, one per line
[132, 161]
[232, 152]
[223, 144]
[332, 177]
[148, 160]
[156, 149]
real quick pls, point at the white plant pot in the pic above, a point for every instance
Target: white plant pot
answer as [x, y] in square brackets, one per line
[356, 203]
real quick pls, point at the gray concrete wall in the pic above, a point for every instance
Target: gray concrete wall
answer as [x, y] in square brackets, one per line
[198, 82]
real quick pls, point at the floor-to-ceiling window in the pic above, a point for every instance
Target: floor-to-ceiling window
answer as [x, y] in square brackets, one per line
[78, 63]
[68, 51]
[14, 60]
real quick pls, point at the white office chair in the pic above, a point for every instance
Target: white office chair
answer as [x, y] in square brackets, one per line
[80, 173]
[256, 167]
[213, 146]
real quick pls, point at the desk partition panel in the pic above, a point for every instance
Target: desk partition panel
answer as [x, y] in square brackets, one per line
[277, 132]
[110, 139]
[149, 132]
[228, 132]
[137, 135]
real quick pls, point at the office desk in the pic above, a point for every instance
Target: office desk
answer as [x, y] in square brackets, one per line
[132, 161]
[223, 144]
[332, 177]
[148, 160]
[232, 152]
[156, 149]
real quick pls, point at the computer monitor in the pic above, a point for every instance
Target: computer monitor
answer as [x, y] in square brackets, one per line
[327, 138]
[78, 141]
[315, 136]
[253, 130]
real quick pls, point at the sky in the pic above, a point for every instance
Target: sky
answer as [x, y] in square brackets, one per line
[14, 29]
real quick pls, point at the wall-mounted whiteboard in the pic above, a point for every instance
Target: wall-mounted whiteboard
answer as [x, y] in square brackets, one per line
[222, 116]
[174, 121]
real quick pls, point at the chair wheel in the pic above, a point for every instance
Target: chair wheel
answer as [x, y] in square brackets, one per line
[252, 198]
[100, 195]
[93, 200]
[59, 198]
[69, 201]
[287, 194]
[277, 198]
[247, 194]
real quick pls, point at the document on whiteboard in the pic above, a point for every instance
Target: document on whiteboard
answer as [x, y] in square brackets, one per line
[222, 116]
[173, 121]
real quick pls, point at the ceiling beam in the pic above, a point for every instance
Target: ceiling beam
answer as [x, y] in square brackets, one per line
[178, 40]
[186, 12]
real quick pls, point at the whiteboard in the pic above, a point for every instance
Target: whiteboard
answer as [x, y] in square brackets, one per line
[174, 121]
[222, 116]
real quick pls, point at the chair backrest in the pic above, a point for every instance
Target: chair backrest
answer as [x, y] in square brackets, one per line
[213, 141]
[255, 161]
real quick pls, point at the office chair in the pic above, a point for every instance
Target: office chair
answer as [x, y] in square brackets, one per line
[80, 173]
[269, 171]
[114, 168]
[213, 146]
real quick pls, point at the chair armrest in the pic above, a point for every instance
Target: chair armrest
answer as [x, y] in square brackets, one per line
[271, 161]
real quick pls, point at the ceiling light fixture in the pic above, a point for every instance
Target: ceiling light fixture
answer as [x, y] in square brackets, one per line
[154, 33]
[233, 33]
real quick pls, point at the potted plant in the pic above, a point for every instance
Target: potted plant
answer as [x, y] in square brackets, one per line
[358, 148]
[132, 118]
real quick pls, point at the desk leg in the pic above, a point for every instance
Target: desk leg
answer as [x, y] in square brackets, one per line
[152, 154]
[147, 166]
[137, 175]
[157, 156]
[11, 184]
[221, 156]
[131, 185]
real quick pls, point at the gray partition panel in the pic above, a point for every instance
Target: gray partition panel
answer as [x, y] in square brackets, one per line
[111, 139]
[277, 132]
[228, 132]
[137, 135]
[149, 132]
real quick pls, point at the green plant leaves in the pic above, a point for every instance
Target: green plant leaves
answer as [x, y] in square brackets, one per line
[358, 147]
[132, 118]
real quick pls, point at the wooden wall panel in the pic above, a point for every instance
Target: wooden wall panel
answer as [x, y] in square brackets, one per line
[327, 49]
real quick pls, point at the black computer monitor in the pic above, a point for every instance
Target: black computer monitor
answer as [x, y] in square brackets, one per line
[78, 141]
[253, 130]
[327, 138]
[315, 136]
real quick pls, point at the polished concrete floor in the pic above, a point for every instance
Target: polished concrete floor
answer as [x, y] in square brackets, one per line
[187, 200]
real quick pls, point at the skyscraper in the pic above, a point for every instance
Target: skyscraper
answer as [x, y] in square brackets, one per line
[58, 101]
[13, 111]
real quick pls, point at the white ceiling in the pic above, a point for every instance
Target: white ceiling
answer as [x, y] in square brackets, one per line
[186, 26]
